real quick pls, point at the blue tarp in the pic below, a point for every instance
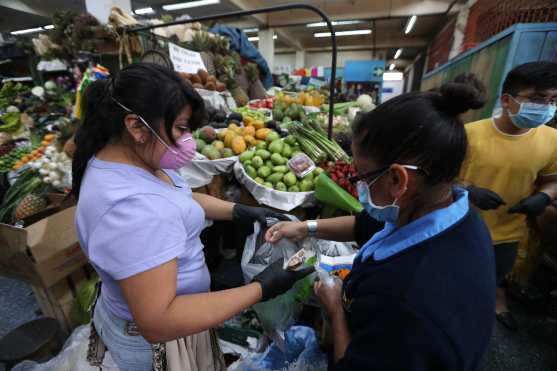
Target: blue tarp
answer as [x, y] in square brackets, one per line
[240, 43]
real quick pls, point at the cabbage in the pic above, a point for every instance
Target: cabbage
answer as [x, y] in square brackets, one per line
[50, 85]
[365, 102]
[38, 91]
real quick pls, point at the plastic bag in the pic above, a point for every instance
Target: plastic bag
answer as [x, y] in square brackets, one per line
[302, 353]
[278, 314]
[72, 357]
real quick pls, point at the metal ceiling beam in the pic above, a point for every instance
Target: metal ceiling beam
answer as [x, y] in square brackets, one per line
[20, 6]
[285, 36]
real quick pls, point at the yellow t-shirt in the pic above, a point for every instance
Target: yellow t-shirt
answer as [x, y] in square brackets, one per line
[508, 165]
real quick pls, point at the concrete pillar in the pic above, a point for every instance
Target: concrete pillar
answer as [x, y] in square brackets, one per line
[300, 59]
[266, 46]
[100, 9]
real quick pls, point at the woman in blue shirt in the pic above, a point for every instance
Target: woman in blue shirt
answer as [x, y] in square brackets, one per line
[421, 293]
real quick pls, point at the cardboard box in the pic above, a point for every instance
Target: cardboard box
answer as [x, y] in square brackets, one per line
[57, 301]
[42, 253]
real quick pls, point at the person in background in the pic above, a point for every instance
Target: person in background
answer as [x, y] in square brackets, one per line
[511, 166]
[421, 293]
[139, 223]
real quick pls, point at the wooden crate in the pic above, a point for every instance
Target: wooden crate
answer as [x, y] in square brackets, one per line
[56, 301]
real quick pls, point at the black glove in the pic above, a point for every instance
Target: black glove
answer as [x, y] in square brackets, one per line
[533, 205]
[484, 199]
[275, 280]
[249, 214]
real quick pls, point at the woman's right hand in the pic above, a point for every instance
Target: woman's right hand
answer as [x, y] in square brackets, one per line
[294, 231]
[275, 280]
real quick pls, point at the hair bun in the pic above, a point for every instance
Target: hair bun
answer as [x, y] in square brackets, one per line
[465, 92]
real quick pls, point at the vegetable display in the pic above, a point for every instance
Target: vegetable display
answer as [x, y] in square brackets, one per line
[340, 172]
[315, 143]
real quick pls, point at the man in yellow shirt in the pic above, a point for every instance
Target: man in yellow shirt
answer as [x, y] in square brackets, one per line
[511, 164]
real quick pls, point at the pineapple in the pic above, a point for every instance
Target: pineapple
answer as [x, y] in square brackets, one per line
[30, 205]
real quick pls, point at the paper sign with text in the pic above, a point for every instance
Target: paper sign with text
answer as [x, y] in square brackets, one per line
[185, 60]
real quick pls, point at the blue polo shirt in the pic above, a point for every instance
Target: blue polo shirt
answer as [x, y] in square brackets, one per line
[421, 297]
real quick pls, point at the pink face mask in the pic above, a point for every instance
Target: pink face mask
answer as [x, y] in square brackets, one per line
[176, 156]
[180, 154]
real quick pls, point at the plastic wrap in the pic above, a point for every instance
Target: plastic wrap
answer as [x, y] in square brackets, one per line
[285, 201]
[219, 100]
[201, 170]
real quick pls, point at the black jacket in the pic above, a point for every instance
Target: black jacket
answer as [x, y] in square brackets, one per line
[430, 307]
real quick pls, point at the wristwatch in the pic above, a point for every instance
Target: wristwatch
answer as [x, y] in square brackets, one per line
[312, 227]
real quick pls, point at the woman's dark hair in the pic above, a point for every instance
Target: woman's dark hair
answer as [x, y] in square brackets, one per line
[156, 93]
[422, 129]
[538, 75]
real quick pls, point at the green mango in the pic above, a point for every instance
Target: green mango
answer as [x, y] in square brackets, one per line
[259, 180]
[293, 188]
[264, 154]
[268, 185]
[264, 171]
[286, 151]
[318, 170]
[280, 186]
[280, 169]
[290, 179]
[269, 164]
[250, 170]
[261, 145]
[306, 185]
[309, 177]
[247, 155]
[278, 159]
[257, 162]
[274, 178]
[276, 146]
[248, 163]
[290, 140]
[272, 136]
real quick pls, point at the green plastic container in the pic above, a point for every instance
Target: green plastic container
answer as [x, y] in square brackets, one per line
[331, 194]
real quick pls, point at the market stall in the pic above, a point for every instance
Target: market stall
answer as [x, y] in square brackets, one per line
[283, 148]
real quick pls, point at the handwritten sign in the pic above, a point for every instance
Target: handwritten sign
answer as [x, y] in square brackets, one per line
[185, 60]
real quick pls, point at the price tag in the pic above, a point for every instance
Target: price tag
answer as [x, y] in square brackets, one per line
[185, 60]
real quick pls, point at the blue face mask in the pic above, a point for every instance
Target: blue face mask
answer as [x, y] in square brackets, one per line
[531, 115]
[388, 213]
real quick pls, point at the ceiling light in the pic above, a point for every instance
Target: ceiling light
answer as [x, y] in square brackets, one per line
[142, 11]
[410, 24]
[191, 4]
[343, 33]
[250, 30]
[392, 67]
[398, 53]
[27, 30]
[256, 38]
[393, 76]
[334, 23]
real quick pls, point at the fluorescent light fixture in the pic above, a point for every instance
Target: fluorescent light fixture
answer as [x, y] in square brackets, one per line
[393, 76]
[398, 53]
[335, 23]
[343, 33]
[256, 38]
[49, 27]
[27, 30]
[392, 67]
[142, 11]
[250, 30]
[410, 24]
[190, 4]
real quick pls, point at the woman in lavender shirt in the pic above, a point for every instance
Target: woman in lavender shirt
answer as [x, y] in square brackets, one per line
[139, 223]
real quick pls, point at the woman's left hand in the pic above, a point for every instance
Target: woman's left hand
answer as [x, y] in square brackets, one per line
[249, 214]
[330, 296]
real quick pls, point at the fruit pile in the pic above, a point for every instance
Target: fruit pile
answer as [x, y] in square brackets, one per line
[262, 103]
[288, 112]
[267, 165]
[13, 157]
[305, 98]
[340, 172]
[202, 80]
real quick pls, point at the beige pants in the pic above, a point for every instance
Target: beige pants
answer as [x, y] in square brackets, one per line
[199, 352]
